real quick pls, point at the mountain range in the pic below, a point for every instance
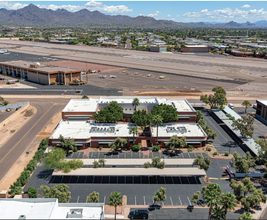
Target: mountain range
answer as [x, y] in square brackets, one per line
[33, 15]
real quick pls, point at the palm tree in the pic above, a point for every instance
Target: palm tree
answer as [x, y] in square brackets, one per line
[134, 131]
[176, 142]
[135, 103]
[247, 104]
[69, 144]
[157, 120]
[228, 202]
[217, 213]
[118, 143]
[115, 199]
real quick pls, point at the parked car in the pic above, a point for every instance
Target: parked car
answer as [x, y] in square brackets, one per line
[231, 106]
[255, 106]
[138, 214]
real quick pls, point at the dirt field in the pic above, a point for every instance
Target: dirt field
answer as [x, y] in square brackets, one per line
[84, 66]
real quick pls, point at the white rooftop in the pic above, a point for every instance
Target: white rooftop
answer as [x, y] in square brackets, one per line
[49, 209]
[91, 104]
[196, 46]
[82, 105]
[264, 102]
[179, 129]
[76, 129]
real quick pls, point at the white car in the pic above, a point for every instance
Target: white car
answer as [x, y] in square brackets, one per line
[149, 75]
[55, 59]
[112, 76]
[103, 77]
[94, 71]
[231, 106]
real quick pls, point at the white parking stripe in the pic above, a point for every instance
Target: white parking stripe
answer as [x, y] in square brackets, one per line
[189, 155]
[144, 201]
[180, 200]
[86, 199]
[135, 200]
[171, 200]
[182, 155]
[104, 199]
[78, 199]
[189, 200]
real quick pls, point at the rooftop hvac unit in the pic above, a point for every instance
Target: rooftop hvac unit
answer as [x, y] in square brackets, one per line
[22, 217]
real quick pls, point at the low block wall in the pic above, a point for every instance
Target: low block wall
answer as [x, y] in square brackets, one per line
[16, 113]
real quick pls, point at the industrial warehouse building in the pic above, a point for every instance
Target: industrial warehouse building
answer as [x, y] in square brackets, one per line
[40, 73]
[159, 49]
[77, 123]
[196, 49]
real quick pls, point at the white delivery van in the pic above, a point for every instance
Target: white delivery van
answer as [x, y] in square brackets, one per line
[230, 105]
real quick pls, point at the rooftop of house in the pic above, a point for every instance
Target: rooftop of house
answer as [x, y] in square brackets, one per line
[264, 102]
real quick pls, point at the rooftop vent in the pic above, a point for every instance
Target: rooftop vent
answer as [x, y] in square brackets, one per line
[22, 217]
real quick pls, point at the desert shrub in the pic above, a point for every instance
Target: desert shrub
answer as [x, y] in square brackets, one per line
[215, 153]
[15, 188]
[209, 149]
[136, 147]
[156, 147]
[24, 177]
[75, 149]
[147, 165]
[85, 97]
[161, 165]
[155, 161]
[32, 192]
[226, 154]
[31, 166]
[52, 83]
[39, 155]
[190, 148]
[100, 148]
[5, 102]
[62, 83]
[44, 143]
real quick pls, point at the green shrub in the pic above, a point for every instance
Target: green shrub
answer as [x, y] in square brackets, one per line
[5, 102]
[62, 83]
[24, 177]
[15, 189]
[136, 147]
[100, 148]
[161, 165]
[226, 154]
[75, 149]
[215, 153]
[147, 165]
[39, 155]
[209, 149]
[96, 164]
[156, 147]
[32, 192]
[85, 97]
[31, 166]
[52, 83]
[190, 148]
[155, 161]
[74, 84]
[44, 144]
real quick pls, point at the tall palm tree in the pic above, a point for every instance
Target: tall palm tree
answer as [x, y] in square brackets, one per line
[134, 131]
[115, 200]
[217, 213]
[135, 103]
[228, 202]
[68, 144]
[157, 120]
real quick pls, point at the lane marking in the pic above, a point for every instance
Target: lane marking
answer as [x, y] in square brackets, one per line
[212, 178]
[189, 200]
[180, 200]
[171, 200]
[104, 199]
[144, 201]
[78, 199]
[26, 134]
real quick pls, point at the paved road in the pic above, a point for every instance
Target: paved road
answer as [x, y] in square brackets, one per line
[14, 147]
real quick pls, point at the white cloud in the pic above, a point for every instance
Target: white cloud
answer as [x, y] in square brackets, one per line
[245, 6]
[91, 6]
[177, 16]
[227, 14]
[141, 15]
[156, 13]
[168, 15]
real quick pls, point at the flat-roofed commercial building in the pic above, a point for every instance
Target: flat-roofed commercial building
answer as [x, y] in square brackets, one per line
[40, 73]
[196, 49]
[49, 209]
[262, 108]
[84, 109]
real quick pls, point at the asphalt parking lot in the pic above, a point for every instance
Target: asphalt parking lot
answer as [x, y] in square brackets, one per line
[225, 141]
[183, 213]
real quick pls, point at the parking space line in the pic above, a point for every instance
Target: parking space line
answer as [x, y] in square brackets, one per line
[98, 155]
[171, 200]
[77, 179]
[135, 200]
[182, 155]
[71, 155]
[180, 200]
[195, 179]
[131, 154]
[68, 201]
[162, 203]
[61, 179]
[202, 155]
[104, 199]
[144, 201]
[101, 179]
[111, 155]
[189, 155]
[189, 200]
[172, 181]
[86, 199]
[188, 180]
[104, 155]
[78, 199]
[195, 155]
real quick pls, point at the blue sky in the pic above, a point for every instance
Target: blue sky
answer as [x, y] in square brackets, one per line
[180, 11]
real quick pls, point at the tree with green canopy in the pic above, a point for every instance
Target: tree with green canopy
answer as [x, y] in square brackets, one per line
[142, 118]
[199, 116]
[203, 163]
[157, 120]
[59, 191]
[53, 158]
[216, 100]
[263, 150]
[246, 104]
[176, 142]
[32, 192]
[111, 113]
[160, 195]
[242, 163]
[245, 125]
[228, 202]
[115, 200]
[134, 131]
[246, 216]
[135, 103]
[253, 199]
[195, 197]
[241, 189]
[93, 197]
[118, 143]
[167, 112]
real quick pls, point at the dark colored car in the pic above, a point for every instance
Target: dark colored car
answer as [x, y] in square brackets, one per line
[138, 214]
